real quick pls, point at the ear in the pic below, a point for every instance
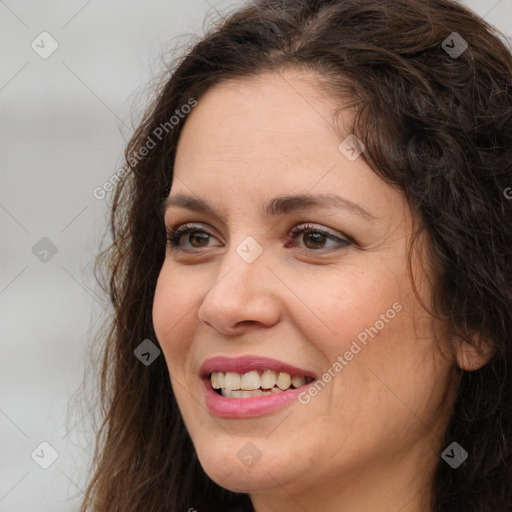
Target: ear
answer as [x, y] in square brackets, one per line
[471, 357]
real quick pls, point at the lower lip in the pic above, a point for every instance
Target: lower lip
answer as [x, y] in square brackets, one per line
[225, 407]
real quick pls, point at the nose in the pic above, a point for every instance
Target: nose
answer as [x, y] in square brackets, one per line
[242, 297]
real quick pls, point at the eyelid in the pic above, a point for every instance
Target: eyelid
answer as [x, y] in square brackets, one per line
[308, 226]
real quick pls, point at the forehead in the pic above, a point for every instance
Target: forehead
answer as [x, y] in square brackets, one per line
[248, 141]
[259, 118]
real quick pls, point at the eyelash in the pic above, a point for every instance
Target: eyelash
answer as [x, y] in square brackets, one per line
[173, 236]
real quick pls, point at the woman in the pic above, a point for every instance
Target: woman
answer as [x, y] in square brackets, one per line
[328, 326]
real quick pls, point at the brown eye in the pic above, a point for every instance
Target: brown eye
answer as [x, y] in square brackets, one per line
[315, 238]
[198, 237]
[195, 237]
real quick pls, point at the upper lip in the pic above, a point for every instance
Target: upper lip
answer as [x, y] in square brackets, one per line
[245, 364]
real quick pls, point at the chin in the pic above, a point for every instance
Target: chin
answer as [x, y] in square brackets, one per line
[238, 467]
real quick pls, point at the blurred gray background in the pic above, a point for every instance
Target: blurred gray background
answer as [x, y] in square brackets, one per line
[74, 79]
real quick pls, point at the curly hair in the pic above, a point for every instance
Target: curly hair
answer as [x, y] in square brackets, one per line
[435, 124]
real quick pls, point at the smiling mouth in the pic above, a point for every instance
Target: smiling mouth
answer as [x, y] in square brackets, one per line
[255, 383]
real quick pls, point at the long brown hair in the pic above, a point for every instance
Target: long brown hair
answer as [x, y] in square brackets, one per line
[436, 124]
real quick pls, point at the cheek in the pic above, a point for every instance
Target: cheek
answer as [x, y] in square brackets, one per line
[372, 321]
[346, 305]
[159, 318]
[172, 311]
[163, 308]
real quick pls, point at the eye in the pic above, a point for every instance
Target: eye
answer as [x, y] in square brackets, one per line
[315, 238]
[197, 237]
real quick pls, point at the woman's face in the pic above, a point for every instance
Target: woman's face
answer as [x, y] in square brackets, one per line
[243, 297]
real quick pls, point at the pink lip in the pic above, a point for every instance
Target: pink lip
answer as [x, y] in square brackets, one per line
[247, 363]
[225, 407]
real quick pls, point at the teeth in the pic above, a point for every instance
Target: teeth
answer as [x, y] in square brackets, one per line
[284, 381]
[268, 379]
[232, 381]
[235, 385]
[241, 393]
[250, 381]
[297, 381]
[248, 394]
[217, 380]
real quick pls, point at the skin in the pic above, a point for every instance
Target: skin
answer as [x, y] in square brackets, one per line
[372, 437]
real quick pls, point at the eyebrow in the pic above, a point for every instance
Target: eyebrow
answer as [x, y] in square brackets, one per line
[282, 205]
